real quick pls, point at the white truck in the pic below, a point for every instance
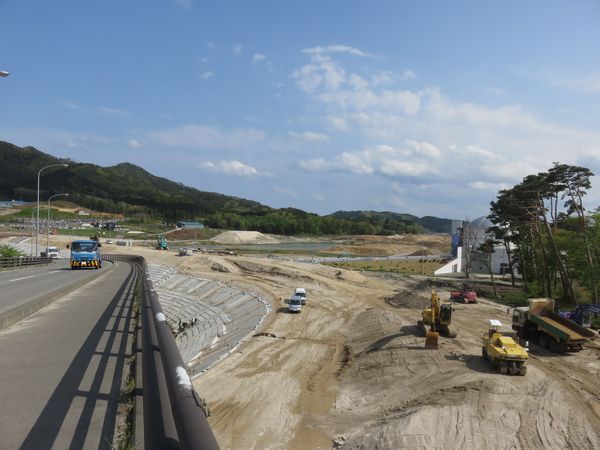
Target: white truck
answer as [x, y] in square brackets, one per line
[301, 293]
[51, 252]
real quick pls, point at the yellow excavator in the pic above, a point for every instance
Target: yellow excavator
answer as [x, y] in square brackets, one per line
[438, 317]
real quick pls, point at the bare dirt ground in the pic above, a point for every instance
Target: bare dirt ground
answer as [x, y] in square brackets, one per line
[351, 372]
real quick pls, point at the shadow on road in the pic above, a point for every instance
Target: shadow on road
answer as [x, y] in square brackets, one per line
[108, 339]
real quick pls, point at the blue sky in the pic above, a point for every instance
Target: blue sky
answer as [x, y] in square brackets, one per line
[422, 107]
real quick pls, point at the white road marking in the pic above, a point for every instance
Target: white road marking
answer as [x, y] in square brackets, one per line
[22, 278]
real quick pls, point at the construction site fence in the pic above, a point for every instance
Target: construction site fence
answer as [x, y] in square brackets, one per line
[174, 415]
[18, 262]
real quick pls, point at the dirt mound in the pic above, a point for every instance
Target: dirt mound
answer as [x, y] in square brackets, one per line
[244, 237]
[407, 299]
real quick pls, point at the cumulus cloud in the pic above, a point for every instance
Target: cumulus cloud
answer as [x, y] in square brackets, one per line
[411, 160]
[325, 80]
[206, 75]
[207, 137]
[309, 136]
[233, 168]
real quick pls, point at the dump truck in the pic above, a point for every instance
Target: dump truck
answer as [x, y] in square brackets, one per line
[465, 294]
[540, 324]
[437, 316]
[85, 254]
[502, 350]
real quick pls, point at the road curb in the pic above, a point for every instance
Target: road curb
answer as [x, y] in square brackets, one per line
[19, 313]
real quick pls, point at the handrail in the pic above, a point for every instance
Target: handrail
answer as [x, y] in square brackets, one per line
[23, 261]
[186, 409]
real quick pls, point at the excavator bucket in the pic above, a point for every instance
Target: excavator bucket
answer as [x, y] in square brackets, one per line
[431, 340]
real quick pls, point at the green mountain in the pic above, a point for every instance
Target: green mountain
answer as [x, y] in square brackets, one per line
[130, 190]
[124, 188]
[390, 220]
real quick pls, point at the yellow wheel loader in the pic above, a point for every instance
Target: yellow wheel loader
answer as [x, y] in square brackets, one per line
[502, 350]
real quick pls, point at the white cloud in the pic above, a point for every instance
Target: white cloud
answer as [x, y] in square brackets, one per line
[336, 49]
[485, 186]
[206, 75]
[233, 168]
[412, 160]
[408, 75]
[133, 143]
[309, 136]
[338, 123]
[384, 77]
[237, 50]
[315, 165]
[207, 137]
[322, 72]
[318, 197]
[258, 57]
[326, 81]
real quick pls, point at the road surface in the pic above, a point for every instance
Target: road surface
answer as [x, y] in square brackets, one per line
[64, 367]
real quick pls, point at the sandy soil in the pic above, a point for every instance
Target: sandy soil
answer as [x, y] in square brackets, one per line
[405, 244]
[351, 372]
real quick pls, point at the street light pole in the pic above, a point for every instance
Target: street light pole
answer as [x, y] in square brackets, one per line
[32, 228]
[48, 221]
[37, 221]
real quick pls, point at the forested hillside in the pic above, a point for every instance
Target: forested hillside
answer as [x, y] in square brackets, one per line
[130, 190]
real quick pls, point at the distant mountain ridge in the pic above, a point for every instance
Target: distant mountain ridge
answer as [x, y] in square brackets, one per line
[429, 223]
[129, 189]
[124, 187]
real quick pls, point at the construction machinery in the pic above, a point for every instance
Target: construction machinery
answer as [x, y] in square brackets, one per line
[438, 317]
[540, 324]
[465, 294]
[161, 243]
[585, 315]
[502, 350]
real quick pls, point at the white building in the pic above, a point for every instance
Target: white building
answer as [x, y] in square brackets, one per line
[468, 238]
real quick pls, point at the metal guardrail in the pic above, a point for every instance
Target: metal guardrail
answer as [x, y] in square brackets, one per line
[17, 262]
[175, 416]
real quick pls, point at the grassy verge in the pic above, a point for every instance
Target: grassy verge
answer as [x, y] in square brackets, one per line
[410, 267]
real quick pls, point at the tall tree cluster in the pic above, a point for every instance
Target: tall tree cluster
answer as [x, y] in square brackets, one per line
[548, 233]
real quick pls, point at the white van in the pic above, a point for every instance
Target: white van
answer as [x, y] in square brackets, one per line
[53, 252]
[295, 304]
[301, 292]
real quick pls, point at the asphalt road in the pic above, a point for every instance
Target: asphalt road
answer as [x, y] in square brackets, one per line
[63, 368]
[18, 287]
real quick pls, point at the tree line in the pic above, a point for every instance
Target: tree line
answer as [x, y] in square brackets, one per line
[549, 235]
[291, 221]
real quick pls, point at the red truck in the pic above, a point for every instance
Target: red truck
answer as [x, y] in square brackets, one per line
[466, 294]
